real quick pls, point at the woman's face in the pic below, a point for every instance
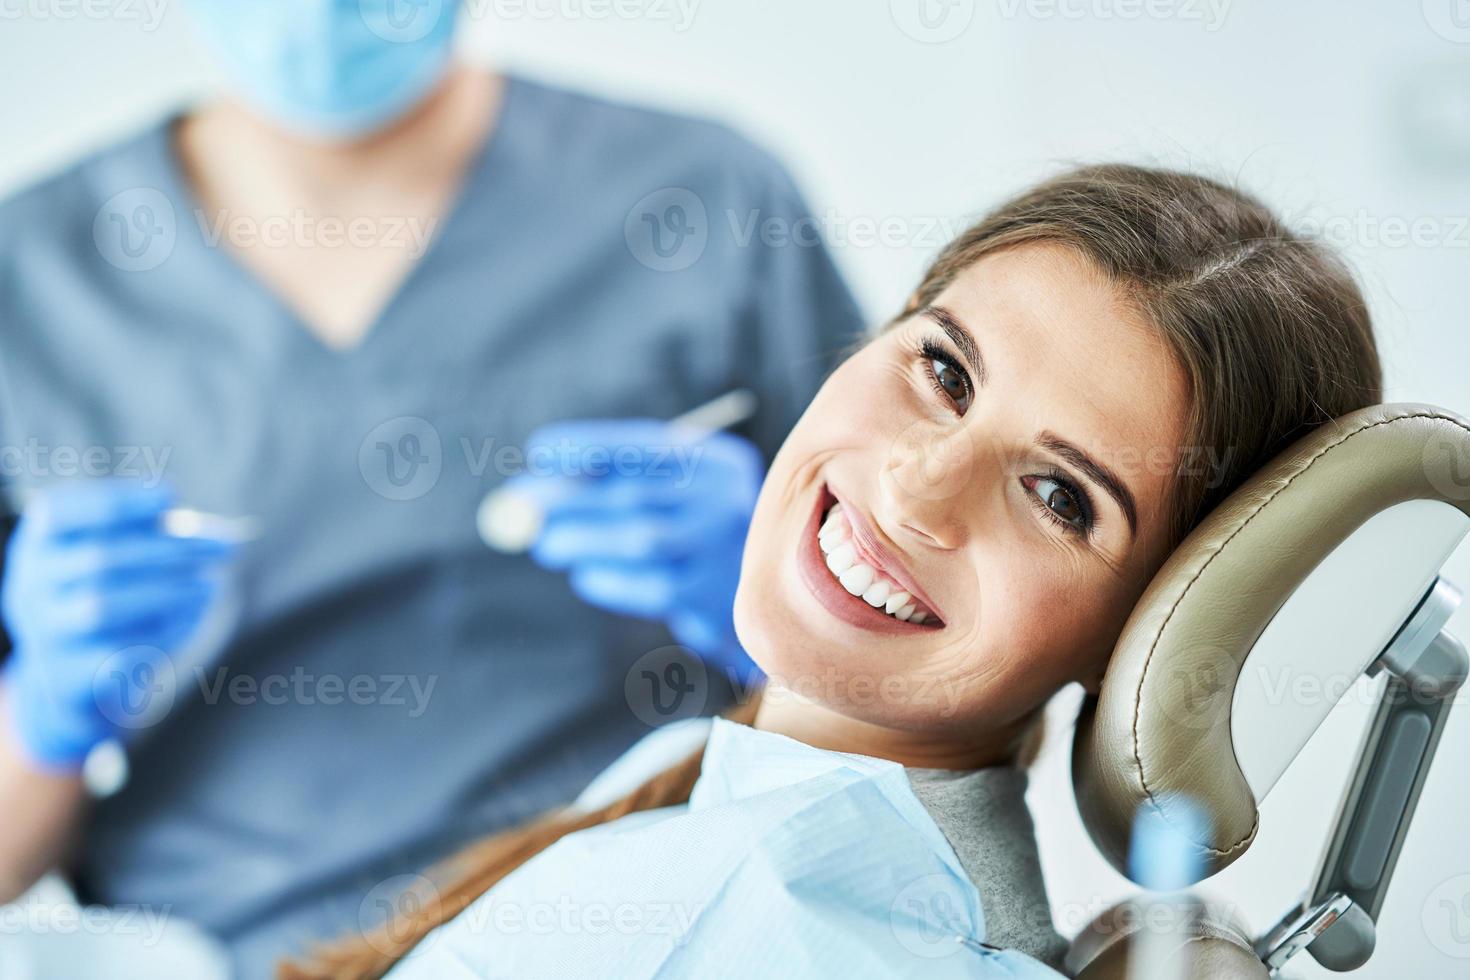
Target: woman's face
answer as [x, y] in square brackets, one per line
[1006, 458]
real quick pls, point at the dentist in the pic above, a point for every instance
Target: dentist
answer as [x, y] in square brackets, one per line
[349, 299]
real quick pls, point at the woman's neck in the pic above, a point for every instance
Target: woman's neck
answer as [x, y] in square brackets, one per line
[786, 713]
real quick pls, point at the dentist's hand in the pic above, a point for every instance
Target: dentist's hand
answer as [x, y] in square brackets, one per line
[648, 522]
[89, 576]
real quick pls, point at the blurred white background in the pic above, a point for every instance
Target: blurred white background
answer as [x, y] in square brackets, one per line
[905, 117]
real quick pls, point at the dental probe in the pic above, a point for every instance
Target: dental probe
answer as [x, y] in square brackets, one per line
[176, 522]
[186, 522]
[510, 521]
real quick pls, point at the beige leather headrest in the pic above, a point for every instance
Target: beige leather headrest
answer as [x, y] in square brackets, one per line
[1159, 732]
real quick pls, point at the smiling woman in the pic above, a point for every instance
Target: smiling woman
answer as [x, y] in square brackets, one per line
[974, 502]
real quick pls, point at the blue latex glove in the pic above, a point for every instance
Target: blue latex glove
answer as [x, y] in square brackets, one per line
[95, 595]
[648, 522]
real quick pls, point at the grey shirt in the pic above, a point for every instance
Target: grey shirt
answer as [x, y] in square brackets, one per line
[384, 688]
[984, 817]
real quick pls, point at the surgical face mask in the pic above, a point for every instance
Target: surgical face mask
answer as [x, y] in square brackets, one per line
[335, 69]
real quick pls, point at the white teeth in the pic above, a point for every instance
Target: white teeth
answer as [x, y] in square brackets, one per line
[830, 540]
[857, 578]
[860, 578]
[833, 532]
[841, 558]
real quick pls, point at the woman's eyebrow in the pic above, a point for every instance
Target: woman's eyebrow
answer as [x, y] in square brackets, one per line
[961, 337]
[1096, 472]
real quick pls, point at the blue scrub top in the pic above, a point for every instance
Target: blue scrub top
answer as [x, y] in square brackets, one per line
[384, 688]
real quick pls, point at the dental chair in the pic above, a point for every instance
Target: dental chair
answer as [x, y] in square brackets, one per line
[1325, 565]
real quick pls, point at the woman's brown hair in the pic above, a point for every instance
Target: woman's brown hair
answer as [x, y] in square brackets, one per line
[1272, 334]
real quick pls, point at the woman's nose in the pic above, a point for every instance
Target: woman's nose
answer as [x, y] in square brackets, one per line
[926, 481]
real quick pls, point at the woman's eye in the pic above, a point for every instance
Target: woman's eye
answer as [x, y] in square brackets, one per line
[951, 382]
[1061, 501]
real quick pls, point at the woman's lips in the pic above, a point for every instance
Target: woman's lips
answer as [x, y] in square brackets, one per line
[872, 551]
[851, 609]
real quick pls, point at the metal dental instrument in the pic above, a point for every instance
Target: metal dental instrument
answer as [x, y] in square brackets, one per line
[510, 521]
[186, 522]
[176, 522]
